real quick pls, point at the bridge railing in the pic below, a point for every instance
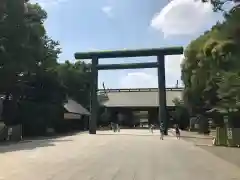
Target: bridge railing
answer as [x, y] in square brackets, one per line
[138, 90]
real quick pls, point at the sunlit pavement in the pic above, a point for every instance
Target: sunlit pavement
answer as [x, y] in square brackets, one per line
[128, 155]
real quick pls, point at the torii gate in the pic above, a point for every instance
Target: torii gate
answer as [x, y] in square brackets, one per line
[160, 64]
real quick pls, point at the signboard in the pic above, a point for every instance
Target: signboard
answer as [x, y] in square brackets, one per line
[229, 133]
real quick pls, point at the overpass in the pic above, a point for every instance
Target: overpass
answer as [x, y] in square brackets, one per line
[137, 98]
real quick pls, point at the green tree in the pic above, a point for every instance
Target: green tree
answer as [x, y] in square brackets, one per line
[76, 79]
[180, 114]
[22, 42]
[229, 91]
[218, 4]
[208, 61]
[34, 83]
[28, 63]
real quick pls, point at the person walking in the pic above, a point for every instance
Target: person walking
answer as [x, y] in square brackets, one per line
[10, 132]
[113, 126]
[114, 121]
[151, 128]
[119, 120]
[177, 131]
[161, 131]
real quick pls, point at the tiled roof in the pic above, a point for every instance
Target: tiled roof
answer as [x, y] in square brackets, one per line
[139, 97]
[73, 107]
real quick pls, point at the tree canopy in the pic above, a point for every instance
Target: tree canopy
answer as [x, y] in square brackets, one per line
[30, 75]
[211, 68]
[218, 4]
[76, 77]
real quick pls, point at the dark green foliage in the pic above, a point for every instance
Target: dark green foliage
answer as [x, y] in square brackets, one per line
[180, 114]
[34, 83]
[75, 77]
[210, 70]
[218, 5]
[37, 116]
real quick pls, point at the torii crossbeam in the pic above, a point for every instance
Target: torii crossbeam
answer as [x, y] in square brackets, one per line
[160, 64]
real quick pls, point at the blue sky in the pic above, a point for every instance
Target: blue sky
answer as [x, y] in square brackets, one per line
[91, 25]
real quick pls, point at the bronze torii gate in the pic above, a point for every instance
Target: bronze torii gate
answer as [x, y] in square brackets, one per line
[160, 64]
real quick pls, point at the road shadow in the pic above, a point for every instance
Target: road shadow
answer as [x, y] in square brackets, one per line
[54, 136]
[125, 134]
[192, 136]
[136, 132]
[229, 154]
[31, 143]
[195, 137]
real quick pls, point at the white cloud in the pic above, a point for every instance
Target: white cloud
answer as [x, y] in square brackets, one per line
[138, 80]
[172, 63]
[183, 17]
[173, 69]
[147, 78]
[47, 3]
[108, 10]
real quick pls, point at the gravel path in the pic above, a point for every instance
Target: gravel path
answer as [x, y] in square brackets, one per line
[128, 155]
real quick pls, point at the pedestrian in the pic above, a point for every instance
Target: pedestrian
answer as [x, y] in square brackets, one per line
[151, 128]
[118, 127]
[10, 132]
[119, 120]
[177, 131]
[161, 131]
[114, 127]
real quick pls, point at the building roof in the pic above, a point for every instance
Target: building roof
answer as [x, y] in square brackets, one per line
[73, 107]
[139, 97]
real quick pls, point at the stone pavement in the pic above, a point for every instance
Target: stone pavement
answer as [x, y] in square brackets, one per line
[128, 155]
[229, 154]
[196, 138]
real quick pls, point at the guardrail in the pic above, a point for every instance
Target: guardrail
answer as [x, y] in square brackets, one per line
[138, 90]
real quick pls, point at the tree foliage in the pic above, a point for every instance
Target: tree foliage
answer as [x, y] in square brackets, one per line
[76, 77]
[210, 70]
[218, 4]
[180, 114]
[34, 83]
[25, 47]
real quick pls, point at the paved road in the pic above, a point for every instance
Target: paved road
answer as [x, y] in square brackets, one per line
[229, 154]
[129, 155]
